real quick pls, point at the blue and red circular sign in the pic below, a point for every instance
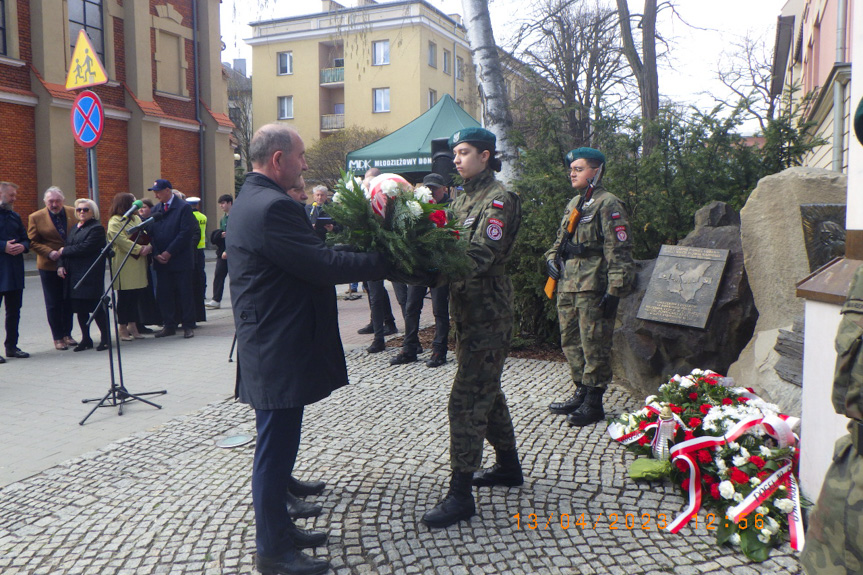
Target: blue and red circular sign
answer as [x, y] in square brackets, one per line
[88, 119]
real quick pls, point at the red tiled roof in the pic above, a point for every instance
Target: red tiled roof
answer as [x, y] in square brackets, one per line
[221, 119]
[153, 109]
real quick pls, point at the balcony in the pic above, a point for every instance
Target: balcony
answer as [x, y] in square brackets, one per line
[333, 76]
[332, 122]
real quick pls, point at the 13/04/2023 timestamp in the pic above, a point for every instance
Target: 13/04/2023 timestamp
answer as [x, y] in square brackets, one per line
[643, 521]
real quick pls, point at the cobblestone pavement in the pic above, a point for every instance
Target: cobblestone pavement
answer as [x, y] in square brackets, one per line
[168, 501]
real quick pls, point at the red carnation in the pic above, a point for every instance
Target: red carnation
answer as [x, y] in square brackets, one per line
[687, 435]
[643, 424]
[742, 399]
[750, 390]
[694, 422]
[710, 380]
[682, 466]
[438, 218]
[693, 396]
[709, 480]
[714, 491]
[727, 401]
[685, 484]
[643, 440]
[703, 456]
[762, 475]
[705, 408]
[738, 476]
[675, 409]
[757, 461]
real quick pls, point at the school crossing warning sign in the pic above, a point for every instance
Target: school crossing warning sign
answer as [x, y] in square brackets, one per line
[86, 69]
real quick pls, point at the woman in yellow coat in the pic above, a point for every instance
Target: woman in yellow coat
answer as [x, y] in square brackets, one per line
[133, 277]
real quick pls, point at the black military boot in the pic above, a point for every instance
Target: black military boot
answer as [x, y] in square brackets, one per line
[506, 471]
[568, 406]
[303, 488]
[458, 504]
[300, 509]
[590, 410]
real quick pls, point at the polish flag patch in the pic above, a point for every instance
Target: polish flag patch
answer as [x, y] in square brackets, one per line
[497, 204]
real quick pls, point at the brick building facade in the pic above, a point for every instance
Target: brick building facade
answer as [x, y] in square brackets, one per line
[159, 122]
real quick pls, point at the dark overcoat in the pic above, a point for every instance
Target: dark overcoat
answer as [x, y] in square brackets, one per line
[12, 267]
[177, 233]
[283, 281]
[83, 246]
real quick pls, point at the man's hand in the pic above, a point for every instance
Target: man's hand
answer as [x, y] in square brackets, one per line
[145, 250]
[224, 255]
[553, 268]
[13, 248]
[54, 255]
[163, 257]
[608, 305]
[61, 272]
[223, 234]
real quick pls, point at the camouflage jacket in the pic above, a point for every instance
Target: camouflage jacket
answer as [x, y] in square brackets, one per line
[848, 377]
[604, 239]
[491, 217]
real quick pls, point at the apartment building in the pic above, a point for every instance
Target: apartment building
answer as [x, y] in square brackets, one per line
[373, 65]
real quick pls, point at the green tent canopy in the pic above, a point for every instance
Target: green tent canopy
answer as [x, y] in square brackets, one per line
[408, 149]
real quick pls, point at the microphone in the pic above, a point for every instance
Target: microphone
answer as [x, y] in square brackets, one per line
[154, 218]
[136, 205]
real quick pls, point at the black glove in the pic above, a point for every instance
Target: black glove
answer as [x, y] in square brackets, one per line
[608, 305]
[553, 268]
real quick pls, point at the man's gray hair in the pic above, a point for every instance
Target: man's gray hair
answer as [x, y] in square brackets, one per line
[268, 140]
[53, 190]
[8, 185]
[319, 188]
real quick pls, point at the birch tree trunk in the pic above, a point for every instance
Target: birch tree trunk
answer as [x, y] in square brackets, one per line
[496, 116]
[644, 65]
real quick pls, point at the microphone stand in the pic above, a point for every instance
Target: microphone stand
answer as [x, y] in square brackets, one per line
[117, 395]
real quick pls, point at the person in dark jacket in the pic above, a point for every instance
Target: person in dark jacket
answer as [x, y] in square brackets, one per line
[217, 238]
[13, 244]
[289, 350]
[82, 249]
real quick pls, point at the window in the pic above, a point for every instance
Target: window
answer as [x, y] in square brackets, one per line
[338, 62]
[432, 98]
[3, 49]
[459, 68]
[338, 109]
[87, 15]
[432, 54]
[380, 53]
[446, 62]
[381, 100]
[286, 107]
[285, 63]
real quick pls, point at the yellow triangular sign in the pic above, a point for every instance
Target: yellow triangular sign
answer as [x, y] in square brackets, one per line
[85, 69]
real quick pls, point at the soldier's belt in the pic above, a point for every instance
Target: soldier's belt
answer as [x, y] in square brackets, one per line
[571, 250]
[857, 436]
[493, 272]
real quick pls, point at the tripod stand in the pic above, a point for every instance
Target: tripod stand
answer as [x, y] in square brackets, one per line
[117, 395]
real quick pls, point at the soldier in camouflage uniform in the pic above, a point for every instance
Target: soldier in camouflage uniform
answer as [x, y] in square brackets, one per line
[834, 538]
[595, 271]
[481, 308]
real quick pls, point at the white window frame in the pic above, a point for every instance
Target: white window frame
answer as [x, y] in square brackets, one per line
[383, 58]
[447, 58]
[385, 105]
[289, 63]
[282, 113]
[432, 98]
[459, 68]
[432, 55]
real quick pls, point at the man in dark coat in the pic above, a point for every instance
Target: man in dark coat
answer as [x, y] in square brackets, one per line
[13, 243]
[174, 236]
[283, 281]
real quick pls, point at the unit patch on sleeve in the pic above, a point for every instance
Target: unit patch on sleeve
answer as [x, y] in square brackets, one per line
[496, 221]
[621, 233]
[494, 231]
[497, 204]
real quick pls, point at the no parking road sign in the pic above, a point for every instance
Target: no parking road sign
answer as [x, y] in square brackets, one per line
[88, 119]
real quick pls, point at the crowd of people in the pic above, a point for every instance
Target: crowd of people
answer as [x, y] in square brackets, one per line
[156, 261]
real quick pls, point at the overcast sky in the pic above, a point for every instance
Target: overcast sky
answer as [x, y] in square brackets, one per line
[687, 77]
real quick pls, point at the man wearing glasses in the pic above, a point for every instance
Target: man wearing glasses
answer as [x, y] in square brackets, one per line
[595, 271]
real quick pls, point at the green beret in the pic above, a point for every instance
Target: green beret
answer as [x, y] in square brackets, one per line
[586, 153]
[474, 136]
[858, 122]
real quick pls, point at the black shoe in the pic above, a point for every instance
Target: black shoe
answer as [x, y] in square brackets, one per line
[506, 471]
[294, 563]
[403, 358]
[15, 352]
[303, 488]
[102, 346]
[570, 405]
[188, 333]
[166, 331]
[366, 330]
[2, 359]
[458, 504]
[436, 360]
[376, 347]
[590, 411]
[88, 344]
[299, 509]
[390, 328]
[306, 538]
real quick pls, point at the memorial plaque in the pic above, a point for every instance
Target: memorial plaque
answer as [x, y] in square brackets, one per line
[683, 286]
[823, 232]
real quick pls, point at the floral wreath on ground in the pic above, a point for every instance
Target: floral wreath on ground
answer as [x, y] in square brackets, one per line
[730, 451]
[403, 223]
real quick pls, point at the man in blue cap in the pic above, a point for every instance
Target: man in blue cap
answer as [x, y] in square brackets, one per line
[595, 271]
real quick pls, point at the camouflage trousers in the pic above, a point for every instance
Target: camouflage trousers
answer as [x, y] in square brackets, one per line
[477, 406]
[834, 539]
[585, 337]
